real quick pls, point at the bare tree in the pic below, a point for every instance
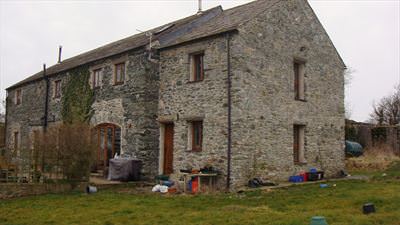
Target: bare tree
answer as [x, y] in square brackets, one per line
[348, 76]
[2, 111]
[387, 110]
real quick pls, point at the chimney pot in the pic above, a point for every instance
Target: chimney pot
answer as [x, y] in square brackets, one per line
[200, 7]
[59, 53]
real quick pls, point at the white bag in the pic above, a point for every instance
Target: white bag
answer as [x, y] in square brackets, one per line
[156, 188]
[163, 189]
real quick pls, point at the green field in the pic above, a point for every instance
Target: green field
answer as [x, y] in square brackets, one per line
[295, 205]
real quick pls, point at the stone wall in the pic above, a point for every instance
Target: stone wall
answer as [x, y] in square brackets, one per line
[22, 118]
[264, 105]
[374, 136]
[182, 101]
[264, 108]
[10, 190]
[132, 106]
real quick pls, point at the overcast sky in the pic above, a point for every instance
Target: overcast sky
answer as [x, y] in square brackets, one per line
[366, 34]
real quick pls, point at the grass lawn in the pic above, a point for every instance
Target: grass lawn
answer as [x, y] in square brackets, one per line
[340, 205]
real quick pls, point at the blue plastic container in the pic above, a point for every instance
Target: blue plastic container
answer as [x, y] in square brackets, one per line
[296, 179]
[313, 170]
[189, 186]
[167, 183]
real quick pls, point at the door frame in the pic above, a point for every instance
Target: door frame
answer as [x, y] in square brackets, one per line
[162, 145]
[113, 150]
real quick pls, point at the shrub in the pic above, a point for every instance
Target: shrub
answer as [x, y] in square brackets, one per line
[65, 151]
[374, 158]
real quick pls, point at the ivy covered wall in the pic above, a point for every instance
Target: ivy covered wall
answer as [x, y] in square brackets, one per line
[77, 97]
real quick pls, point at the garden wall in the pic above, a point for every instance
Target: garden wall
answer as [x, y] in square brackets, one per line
[14, 190]
[370, 135]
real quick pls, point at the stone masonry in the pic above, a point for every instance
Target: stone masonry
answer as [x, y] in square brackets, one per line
[265, 108]
[131, 106]
[264, 38]
[206, 100]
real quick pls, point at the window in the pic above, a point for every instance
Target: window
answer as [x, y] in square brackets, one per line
[34, 138]
[57, 89]
[119, 76]
[18, 96]
[197, 67]
[196, 135]
[298, 67]
[298, 143]
[96, 78]
[16, 140]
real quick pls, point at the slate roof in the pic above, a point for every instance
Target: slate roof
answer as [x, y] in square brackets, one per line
[227, 20]
[211, 22]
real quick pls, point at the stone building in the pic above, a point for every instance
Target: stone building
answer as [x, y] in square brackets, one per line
[254, 91]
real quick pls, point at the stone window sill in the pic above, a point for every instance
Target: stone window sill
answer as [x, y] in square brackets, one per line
[194, 81]
[118, 83]
[194, 150]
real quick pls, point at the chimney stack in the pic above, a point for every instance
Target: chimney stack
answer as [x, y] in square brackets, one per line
[200, 7]
[59, 53]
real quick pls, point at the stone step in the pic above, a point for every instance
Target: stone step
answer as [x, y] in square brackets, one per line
[99, 174]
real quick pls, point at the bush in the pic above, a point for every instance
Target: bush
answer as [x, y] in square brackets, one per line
[65, 151]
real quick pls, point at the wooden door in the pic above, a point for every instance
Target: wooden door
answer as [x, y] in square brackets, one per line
[168, 148]
[296, 146]
[101, 143]
[109, 139]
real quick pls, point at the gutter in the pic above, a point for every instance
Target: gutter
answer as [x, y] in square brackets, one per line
[229, 90]
[46, 104]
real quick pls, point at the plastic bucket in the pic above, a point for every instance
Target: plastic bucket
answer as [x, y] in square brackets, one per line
[318, 220]
[368, 208]
[304, 175]
[195, 184]
[91, 189]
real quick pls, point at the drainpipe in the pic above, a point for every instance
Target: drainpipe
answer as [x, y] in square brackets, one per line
[46, 107]
[5, 127]
[46, 104]
[228, 55]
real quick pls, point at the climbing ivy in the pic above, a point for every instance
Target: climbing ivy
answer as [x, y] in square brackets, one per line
[77, 97]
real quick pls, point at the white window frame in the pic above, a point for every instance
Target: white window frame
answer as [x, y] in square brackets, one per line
[58, 81]
[96, 80]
